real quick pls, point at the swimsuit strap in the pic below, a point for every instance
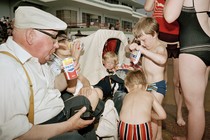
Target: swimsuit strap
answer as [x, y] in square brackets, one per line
[203, 12]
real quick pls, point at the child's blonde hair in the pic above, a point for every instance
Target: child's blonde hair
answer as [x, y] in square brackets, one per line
[111, 55]
[148, 25]
[135, 77]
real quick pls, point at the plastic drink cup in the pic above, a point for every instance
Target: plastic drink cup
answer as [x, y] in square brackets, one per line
[69, 70]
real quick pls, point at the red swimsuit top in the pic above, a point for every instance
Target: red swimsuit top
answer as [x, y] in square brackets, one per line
[172, 28]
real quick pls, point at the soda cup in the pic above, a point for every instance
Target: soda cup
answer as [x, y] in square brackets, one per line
[135, 56]
[69, 70]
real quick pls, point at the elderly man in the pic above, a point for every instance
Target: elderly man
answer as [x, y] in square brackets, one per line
[30, 104]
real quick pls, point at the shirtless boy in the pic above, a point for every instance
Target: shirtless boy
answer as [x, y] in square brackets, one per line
[153, 60]
[136, 112]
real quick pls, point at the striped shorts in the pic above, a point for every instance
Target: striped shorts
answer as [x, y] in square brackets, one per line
[134, 131]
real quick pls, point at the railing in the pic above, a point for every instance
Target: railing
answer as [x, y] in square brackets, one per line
[94, 25]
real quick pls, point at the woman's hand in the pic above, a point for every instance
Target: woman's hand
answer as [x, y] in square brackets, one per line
[76, 49]
[76, 66]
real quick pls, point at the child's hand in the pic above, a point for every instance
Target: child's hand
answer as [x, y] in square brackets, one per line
[133, 46]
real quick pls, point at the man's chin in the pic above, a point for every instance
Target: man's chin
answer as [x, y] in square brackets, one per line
[43, 61]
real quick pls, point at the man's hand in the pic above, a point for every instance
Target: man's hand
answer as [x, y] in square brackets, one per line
[76, 123]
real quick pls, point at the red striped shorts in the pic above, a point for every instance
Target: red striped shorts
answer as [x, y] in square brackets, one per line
[134, 131]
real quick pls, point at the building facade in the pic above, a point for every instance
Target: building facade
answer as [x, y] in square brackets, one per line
[84, 15]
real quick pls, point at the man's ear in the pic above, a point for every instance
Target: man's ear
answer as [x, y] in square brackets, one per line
[29, 36]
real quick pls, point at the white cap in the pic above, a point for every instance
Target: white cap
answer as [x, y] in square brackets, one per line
[31, 17]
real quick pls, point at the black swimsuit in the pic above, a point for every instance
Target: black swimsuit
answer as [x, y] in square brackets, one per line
[193, 40]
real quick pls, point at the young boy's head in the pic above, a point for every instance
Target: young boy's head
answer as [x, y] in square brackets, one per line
[110, 60]
[146, 25]
[135, 78]
[146, 31]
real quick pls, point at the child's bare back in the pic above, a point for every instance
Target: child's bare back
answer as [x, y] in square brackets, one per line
[137, 106]
[138, 103]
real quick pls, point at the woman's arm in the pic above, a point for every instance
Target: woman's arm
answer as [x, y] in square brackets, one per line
[76, 49]
[84, 81]
[172, 10]
[149, 5]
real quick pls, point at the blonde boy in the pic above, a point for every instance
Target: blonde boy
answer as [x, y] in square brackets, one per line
[136, 112]
[153, 61]
[110, 61]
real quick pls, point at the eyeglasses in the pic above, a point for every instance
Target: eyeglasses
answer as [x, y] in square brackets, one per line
[54, 37]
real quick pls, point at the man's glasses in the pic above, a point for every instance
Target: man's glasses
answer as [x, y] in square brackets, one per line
[54, 37]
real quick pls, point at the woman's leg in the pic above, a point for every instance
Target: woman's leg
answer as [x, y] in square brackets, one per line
[193, 79]
[177, 92]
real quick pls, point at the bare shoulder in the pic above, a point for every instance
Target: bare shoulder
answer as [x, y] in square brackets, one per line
[161, 48]
[147, 95]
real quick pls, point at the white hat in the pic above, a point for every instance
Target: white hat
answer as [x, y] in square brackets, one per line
[31, 17]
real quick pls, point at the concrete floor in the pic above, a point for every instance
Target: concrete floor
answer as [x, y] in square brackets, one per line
[170, 128]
